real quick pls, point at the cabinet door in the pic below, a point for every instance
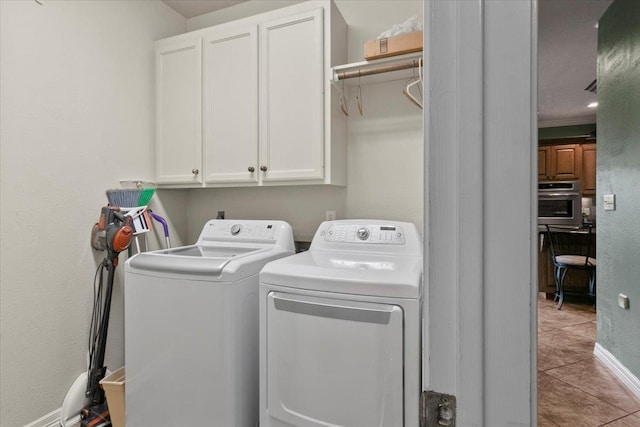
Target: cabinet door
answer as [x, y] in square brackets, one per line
[544, 163]
[291, 98]
[588, 180]
[178, 111]
[566, 162]
[230, 115]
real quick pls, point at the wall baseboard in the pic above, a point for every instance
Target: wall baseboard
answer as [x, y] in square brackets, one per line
[52, 419]
[618, 369]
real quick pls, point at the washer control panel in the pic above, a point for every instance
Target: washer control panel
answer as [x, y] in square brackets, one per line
[235, 229]
[354, 233]
[232, 230]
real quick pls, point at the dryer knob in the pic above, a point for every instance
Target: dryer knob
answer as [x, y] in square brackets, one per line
[362, 233]
[235, 229]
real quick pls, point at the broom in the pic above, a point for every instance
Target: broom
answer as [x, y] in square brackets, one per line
[130, 197]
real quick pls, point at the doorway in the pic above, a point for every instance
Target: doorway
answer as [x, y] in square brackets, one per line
[481, 257]
[574, 387]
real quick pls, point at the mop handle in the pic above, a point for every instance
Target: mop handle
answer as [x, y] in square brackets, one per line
[165, 226]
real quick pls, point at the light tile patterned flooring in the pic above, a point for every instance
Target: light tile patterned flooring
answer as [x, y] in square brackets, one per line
[574, 388]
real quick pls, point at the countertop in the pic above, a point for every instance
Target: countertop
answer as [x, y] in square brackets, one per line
[581, 230]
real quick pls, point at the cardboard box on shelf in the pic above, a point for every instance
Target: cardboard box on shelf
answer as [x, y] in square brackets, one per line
[391, 46]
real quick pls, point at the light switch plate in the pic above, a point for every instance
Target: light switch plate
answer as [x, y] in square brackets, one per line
[609, 202]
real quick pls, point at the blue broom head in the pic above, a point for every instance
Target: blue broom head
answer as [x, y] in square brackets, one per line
[124, 198]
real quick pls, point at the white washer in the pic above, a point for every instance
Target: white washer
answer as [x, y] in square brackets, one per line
[340, 329]
[191, 326]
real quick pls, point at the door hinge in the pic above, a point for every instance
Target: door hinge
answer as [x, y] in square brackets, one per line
[437, 409]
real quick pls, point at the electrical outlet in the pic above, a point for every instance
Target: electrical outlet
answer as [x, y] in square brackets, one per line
[330, 215]
[623, 301]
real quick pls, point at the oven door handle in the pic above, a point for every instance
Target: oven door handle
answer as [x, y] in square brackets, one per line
[556, 195]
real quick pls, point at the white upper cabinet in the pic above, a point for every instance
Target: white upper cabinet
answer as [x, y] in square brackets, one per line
[230, 119]
[178, 111]
[250, 102]
[292, 101]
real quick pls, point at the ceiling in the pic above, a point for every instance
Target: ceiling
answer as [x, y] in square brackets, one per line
[567, 50]
[191, 8]
[567, 54]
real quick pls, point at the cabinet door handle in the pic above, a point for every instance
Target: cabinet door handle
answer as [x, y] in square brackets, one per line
[263, 168]
[251, 169]
[195, 171]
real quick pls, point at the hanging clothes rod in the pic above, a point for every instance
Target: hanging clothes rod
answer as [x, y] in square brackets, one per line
[414, 63]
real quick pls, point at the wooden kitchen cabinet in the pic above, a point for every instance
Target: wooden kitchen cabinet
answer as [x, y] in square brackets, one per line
[588, 176]
[544, 163]
[178, 156]
[566, 162]
[559, 162]
[269, 114]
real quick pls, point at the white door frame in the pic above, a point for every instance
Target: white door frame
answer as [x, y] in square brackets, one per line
[480, 174]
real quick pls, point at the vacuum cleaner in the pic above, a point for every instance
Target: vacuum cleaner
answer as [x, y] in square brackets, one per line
[113, 234]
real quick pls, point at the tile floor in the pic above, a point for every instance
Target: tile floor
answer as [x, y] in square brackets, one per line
[574, 388]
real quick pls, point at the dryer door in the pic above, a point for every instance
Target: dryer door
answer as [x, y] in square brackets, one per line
[334, 362]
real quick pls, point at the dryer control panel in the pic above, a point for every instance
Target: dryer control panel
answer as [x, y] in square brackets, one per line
[368, 235]
[365, 233]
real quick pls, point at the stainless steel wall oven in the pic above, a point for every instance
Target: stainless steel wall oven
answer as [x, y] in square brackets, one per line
[559, 203]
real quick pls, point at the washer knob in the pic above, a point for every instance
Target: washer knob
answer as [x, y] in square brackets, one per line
[362, 233]
[235, 229]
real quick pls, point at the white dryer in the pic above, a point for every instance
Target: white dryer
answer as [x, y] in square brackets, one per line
[340, 329]
[191, 326]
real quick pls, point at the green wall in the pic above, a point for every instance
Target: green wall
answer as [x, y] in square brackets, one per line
[566, 131]
[618, 170]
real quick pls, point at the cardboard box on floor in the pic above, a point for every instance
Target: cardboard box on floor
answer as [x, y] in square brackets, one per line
[391, 46]
[113, 386]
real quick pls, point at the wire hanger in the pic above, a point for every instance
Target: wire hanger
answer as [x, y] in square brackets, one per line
[413, 82]
[359, 96]
[343, 101]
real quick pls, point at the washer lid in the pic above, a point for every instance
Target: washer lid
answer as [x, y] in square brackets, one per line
[225, 250]
[348, 273]
[194, 260]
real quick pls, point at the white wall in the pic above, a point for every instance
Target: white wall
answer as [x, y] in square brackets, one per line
[385, 151]
[303, 207]
[77, 102]
[385, 166]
